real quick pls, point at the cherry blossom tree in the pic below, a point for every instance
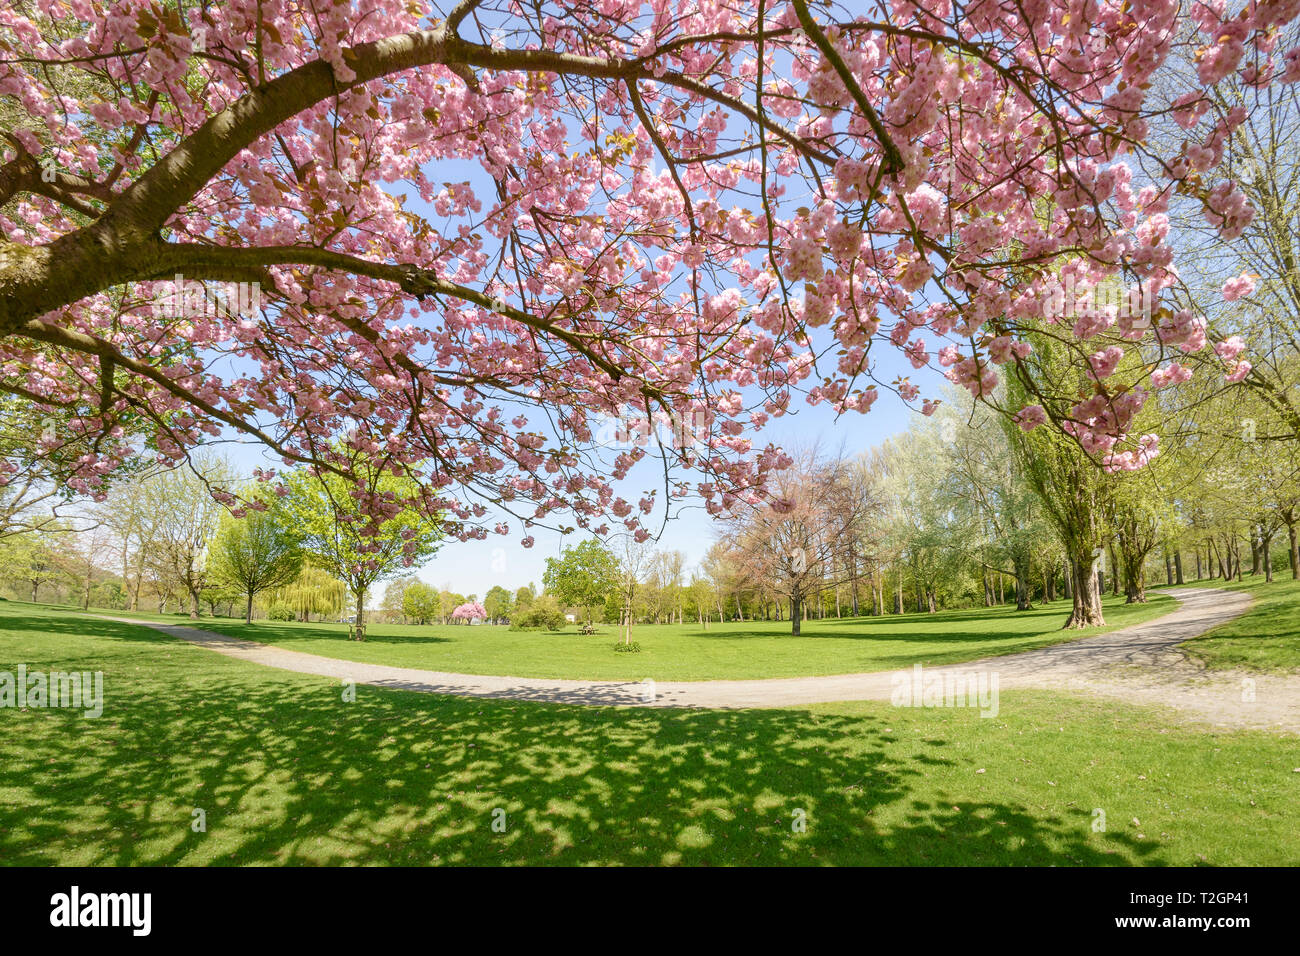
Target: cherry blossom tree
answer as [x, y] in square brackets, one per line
[251, 217]
[469, 611]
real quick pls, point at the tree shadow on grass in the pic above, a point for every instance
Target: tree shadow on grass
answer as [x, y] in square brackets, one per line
[287, 772]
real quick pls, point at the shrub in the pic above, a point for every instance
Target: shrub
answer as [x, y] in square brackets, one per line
[280, 612]
[632, 648]
[544, 612]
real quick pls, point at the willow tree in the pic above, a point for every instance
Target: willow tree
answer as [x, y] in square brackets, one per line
[313, 591]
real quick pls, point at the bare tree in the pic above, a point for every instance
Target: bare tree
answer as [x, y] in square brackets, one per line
[181, 521]
[794, 543]
[633, 559]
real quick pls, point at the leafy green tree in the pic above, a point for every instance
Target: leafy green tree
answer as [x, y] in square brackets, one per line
[1071, 487]
[255, 553]
[524, 597]
[394, 594]
[498, 603]
[108, 594]
[543, 612]
[449, 601]
[29, 559]
[582, 576]
[420, 602]
[350, 544]
[313, 591]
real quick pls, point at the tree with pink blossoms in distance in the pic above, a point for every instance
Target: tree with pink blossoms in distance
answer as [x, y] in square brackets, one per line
[697, 210]
[470, 610]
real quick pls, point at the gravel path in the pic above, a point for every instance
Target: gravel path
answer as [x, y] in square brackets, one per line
[1140, 664]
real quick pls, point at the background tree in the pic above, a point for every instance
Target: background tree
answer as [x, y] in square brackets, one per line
[498, 603]
[792, 543]
[420, 602]
[255, 553]
[394, 591]
[80, 555]
[583, 576]
[336, 526]
[633, 559]
[313, 591]
[182, 517]
[469, 611]
[30, 560]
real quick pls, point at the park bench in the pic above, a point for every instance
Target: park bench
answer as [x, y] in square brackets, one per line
[589, 629]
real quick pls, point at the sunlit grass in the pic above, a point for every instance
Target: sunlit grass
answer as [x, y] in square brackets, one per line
[1265, 639]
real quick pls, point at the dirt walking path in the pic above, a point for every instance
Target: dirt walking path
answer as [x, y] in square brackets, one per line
[1141, 664]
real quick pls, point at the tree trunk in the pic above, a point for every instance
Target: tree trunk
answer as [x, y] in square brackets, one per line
[1265, 554]
[359, 628]
[1022, 585]
[795, 615]
[853, 585]
[1134, 584]
[1178, 567]
[1294, 553]
[135, 592]
[248, 610]
[1086, 611]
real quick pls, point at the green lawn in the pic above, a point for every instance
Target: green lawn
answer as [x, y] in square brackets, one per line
[689, 652]
[1265, 639]
[288, 773]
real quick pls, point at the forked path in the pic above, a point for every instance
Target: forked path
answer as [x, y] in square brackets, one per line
[1141, 664]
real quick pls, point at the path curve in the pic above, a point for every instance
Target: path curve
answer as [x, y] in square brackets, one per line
[1141, 664]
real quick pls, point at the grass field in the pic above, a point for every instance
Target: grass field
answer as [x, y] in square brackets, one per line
[1266, 639]
[689, 652]
[288, 773]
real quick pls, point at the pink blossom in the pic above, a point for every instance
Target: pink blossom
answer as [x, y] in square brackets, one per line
[1236, 288]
